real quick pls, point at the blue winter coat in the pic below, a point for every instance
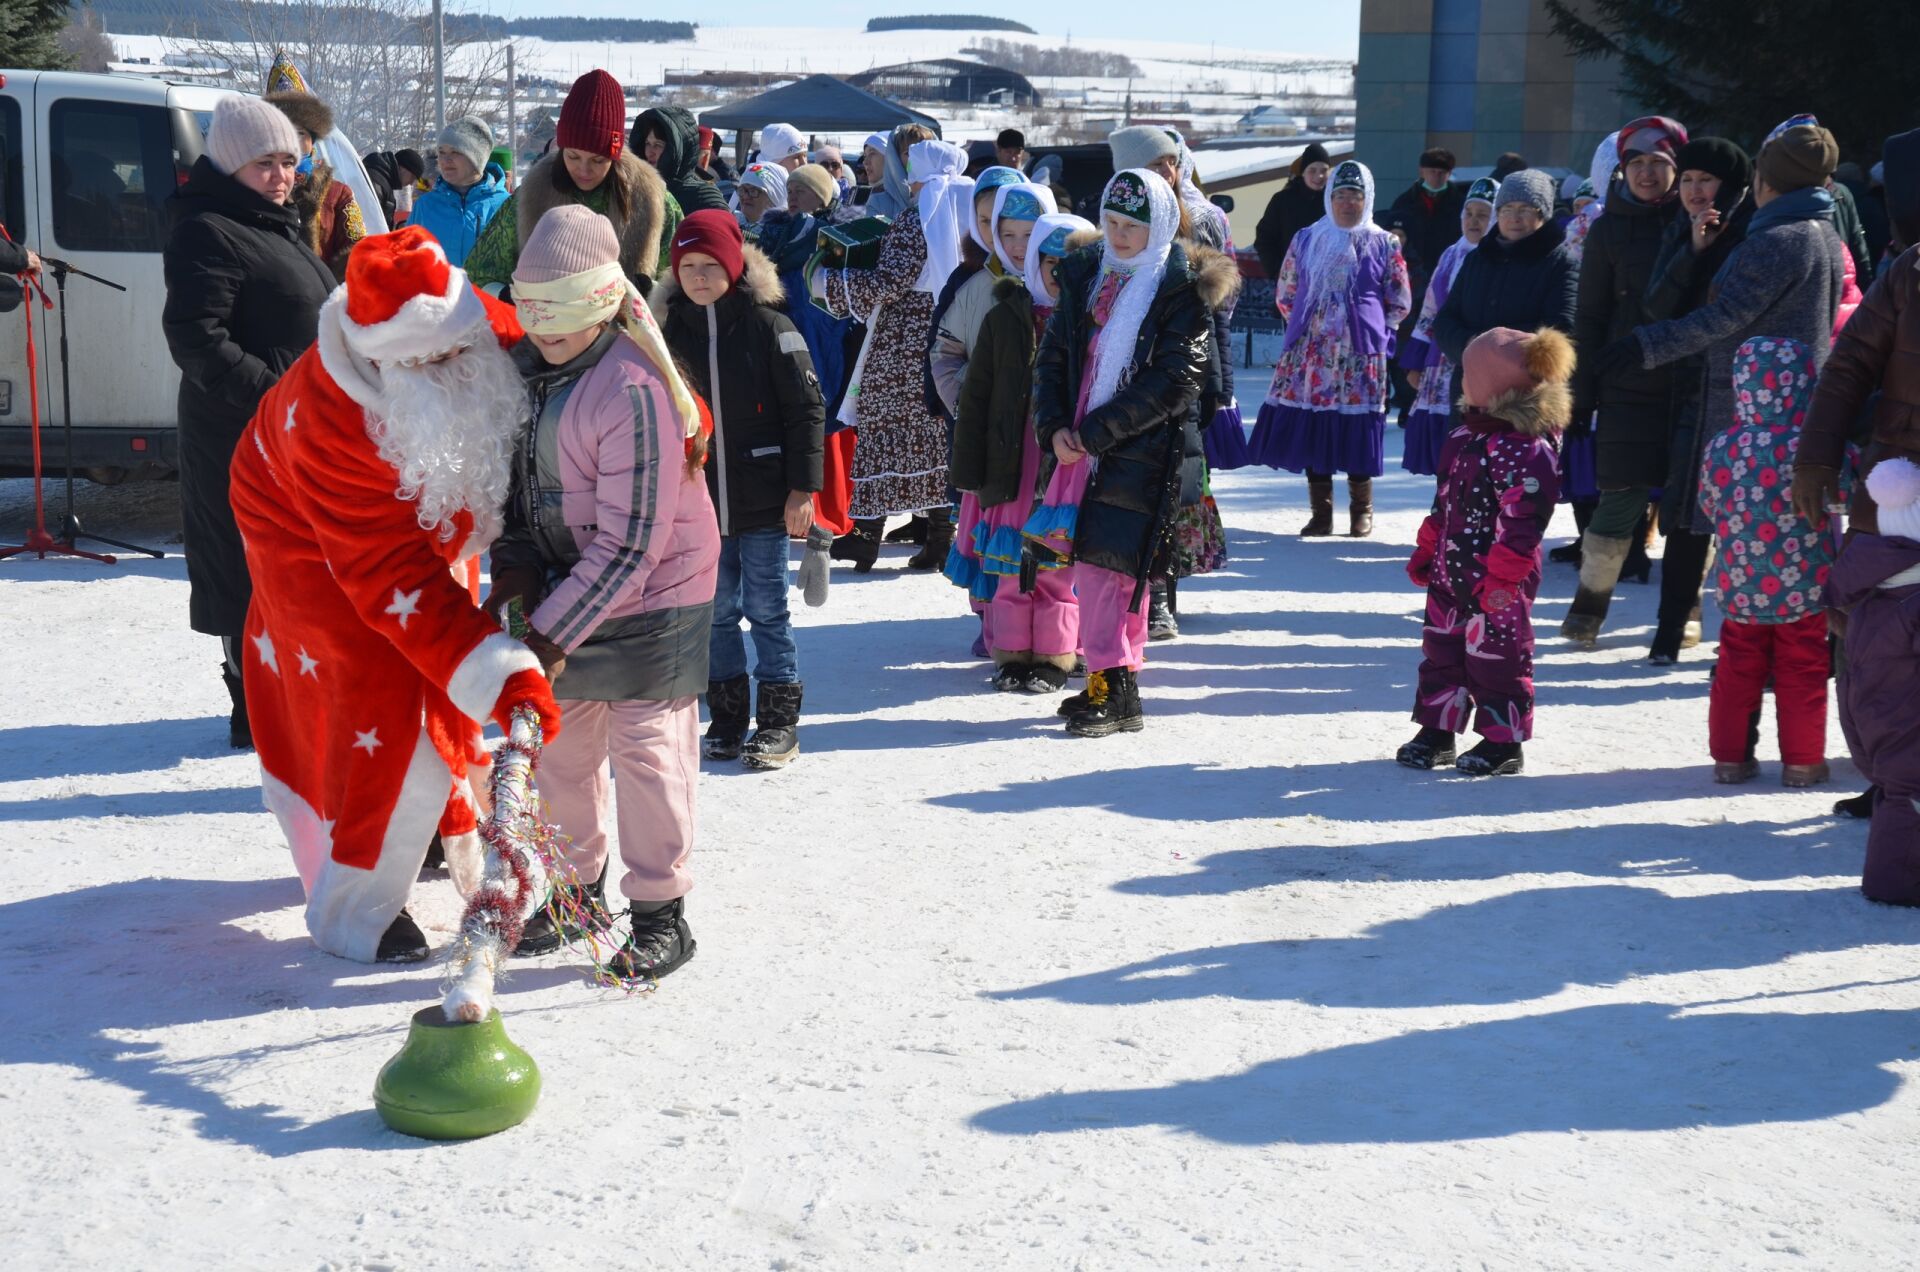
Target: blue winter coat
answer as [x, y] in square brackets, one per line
[456, 217]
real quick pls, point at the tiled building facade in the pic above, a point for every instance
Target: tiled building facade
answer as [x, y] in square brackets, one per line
[1479, 77]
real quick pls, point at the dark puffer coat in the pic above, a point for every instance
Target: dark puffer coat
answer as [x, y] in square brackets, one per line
[1635, 404]
[243, 302]
[744, 357]
[679, 162]
[995, 396]
[1524, 285]
[1148, 434]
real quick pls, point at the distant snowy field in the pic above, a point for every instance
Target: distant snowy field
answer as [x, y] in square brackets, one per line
[1235, 992]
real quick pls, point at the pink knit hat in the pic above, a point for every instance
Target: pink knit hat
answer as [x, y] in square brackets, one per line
[569, 239]
[1502, 367]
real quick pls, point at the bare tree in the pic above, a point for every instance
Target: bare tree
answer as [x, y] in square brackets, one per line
[85, 42]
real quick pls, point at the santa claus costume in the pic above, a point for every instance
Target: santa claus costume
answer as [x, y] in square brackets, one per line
[366, 486]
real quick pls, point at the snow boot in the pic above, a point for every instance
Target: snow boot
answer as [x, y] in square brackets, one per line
[582, 909]
[1047, 674]
[1491, 759]
[239, 732]
[1800, 775]
[729, 708]
[939, 540]
[1857, 806]
[661, 941]
[1430, 749]
[1359, 507]
[1161, 624]
[914, 532]
[1600, 560]
[861, 548]
[402, 942]
[1734, 772]
[1113, 705]
[1320, 498]
[777, 742]
[1012, 675]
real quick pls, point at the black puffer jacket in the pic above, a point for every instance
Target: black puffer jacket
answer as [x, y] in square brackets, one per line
[768, 419]
[679, 162]
[1635, 404]
[1522, 285]
[1432, 222]
[243, 302]
[1144, 435]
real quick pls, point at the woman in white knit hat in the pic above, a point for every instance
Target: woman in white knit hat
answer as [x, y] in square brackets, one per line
[243, 301]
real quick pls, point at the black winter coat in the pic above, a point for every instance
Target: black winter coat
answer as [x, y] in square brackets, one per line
[1292, 209]
[383, 173]
[1143, 436]
[679, 162]
[746, 359]
[995, 397]
[1524, 285]
[1635, 404]
[243, 302]
[1429, 232]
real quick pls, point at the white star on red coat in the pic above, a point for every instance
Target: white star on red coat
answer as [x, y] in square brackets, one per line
[264, 643]
[307, 664]
[405, 605]
[291, 408]
[368, 741]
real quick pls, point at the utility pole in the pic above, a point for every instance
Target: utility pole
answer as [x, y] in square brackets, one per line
[513, 123]
[439, 68]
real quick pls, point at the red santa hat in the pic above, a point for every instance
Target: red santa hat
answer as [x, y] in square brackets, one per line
[405, 302]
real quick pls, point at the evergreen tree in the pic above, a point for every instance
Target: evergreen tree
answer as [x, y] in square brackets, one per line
[30, 33]
[1738, 67]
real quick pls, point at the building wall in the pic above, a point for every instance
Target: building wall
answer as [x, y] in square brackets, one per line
[1479, 77]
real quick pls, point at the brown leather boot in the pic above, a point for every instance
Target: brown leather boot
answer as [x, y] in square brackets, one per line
[1359, 506]
[1320, 498]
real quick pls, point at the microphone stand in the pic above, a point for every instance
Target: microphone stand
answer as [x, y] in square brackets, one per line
[70, 529]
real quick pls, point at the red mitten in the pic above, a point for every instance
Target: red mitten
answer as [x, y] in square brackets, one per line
[1494, 594]
[1508, 566]
[1420, 564]
[528, 688]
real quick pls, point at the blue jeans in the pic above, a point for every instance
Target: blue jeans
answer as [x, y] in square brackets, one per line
[753, 585]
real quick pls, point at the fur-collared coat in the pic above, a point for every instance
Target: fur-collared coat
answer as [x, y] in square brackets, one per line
[328, 216]
[644, 236]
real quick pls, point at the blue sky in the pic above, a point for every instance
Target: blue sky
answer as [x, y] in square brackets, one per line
[1329, 27]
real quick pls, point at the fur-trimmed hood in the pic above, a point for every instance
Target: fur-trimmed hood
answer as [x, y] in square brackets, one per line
[308, 113]
[1542, 411]
[759, 283]
[1005, 288]
[1523, 377]
[646, 198]
[1215, 275]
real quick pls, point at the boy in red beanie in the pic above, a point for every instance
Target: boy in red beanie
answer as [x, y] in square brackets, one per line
[1478, 553]
[720, 309]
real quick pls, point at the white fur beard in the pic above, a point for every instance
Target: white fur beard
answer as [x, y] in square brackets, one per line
[449, 430]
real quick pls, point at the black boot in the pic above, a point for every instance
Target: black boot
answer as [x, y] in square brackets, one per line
[1491, 759]
[661, 941]
[1045, 676]
[239, 732]
[861, 548]
[1858, 806]
[1682, 569]
[1569, 553]
[939, 539]
[1013, 676]
[582, 909]
[1359, 506]
[1320, 498]
[914, 532]
[1113, 705]
[436, 858]
[402, 942]
[730, 710]
[1161, 624]
[777, 742]
[1430, 748]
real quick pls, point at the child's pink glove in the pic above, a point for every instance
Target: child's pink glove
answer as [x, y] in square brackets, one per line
[1420, 564]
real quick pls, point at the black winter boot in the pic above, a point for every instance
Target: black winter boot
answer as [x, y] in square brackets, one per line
[730, 710]
[582, 909]
[661, 941]
[1161, 624]
[402, 942]
[1359, 507]
[239, 732]
[777, 742]
[861, 548]
[914, 532]
[1320, 498]
[1012, 675]
[1491, 759]
[1045, 676]
[1859, 806]
[939, 539]
[1430, 748]
[1113, 705]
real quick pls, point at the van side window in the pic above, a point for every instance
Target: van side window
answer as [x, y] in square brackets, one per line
[113, 170]
[13, 210]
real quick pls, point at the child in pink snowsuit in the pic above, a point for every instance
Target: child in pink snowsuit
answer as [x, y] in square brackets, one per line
[1478, 554]
[611, 547]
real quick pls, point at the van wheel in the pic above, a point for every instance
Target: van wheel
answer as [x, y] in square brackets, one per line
[107, 475]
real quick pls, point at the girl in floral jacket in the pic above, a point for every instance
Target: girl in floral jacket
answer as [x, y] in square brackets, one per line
[1771, 571]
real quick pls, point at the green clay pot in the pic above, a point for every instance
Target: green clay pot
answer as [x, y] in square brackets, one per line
[456, 1081]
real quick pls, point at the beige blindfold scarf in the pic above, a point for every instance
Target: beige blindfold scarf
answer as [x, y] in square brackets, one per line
[587, 299]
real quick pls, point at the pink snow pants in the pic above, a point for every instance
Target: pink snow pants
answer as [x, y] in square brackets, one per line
[1110, 634]
[653, 751]
[1045, 621]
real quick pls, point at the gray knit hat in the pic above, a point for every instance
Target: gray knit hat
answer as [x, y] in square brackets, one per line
[243, 129]
[1140, 145]
[570, 239]
[470, 137]
[1530, 186]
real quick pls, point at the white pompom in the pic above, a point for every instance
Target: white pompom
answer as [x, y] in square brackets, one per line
[1894, 483]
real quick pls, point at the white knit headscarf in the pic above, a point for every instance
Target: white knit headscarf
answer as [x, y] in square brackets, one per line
[1114, 361]
[1606, 158]
[1050, 235]
[1040, 195]
[938, 165]
[1326, 252]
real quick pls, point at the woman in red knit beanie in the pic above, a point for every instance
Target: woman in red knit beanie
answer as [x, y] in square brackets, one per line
[589, 164]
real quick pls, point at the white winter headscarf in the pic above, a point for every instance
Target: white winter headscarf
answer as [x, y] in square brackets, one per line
[989, 179]
[1606, 158]
[769, 179]
[1040, 195]
[1050, 235]
[1141, 196]
[938, 165]
[1324, 251]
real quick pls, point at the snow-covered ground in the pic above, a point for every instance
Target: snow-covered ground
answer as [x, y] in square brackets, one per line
[1232, 992]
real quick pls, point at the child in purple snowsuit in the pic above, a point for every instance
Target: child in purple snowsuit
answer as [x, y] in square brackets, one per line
[1478, 553]
[1877, 582]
